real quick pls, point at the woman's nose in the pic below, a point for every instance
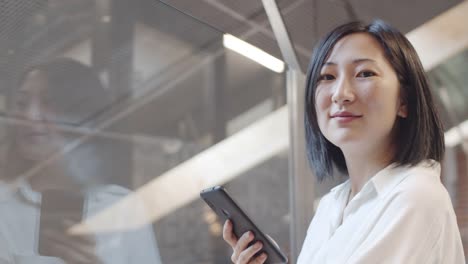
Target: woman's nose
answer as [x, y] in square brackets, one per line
[32, 112]
[344, 92]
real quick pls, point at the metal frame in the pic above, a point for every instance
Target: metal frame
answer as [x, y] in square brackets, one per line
[301, 181]
[281, 34]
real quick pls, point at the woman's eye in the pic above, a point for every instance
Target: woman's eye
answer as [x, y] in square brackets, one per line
[366, 74]
[20, 103]
[326, 77]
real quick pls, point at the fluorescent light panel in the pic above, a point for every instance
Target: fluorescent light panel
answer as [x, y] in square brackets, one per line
[253, 53]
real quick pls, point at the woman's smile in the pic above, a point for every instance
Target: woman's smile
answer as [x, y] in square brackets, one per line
[344, 117]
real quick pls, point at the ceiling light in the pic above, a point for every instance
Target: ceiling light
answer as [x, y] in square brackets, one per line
[253, 53]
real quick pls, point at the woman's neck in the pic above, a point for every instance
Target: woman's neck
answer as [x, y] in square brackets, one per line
[363, 166]
[52, 177]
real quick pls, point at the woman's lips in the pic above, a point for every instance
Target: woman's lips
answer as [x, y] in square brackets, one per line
[345, 117]
[32, 137]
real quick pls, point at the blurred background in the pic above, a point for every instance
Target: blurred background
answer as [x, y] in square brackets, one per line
[181, 108]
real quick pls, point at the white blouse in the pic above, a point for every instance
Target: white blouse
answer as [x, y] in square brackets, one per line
[21, 215]
[401, 215]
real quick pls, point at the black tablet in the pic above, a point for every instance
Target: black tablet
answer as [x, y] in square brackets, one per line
[225, 207]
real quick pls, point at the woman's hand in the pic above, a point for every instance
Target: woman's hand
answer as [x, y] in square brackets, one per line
[70, 248]
[242, 254]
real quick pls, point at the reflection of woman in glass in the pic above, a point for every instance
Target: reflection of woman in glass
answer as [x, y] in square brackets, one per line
[63, 92]
[370, 114]
[51, 96]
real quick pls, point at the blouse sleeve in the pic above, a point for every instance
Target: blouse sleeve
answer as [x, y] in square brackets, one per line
[5, 251]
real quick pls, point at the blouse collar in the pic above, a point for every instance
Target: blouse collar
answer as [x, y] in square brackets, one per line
[387, 178]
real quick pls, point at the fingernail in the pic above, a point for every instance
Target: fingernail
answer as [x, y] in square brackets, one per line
[258, 245]
[263, 256]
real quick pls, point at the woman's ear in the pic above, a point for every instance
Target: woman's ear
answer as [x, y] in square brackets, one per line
[402, 104]
[403, 110]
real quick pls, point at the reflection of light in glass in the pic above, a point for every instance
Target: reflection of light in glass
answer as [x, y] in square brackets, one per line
[209, 216]
[216, 229]
[457, 134]
[106, 19]
[212, 220]
[253, 53]
[214, 166]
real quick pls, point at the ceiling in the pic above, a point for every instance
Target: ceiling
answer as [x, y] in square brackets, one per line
[246, 84]
[306, 20]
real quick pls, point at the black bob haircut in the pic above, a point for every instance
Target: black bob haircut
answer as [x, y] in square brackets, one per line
[417, 137]
[74, 90]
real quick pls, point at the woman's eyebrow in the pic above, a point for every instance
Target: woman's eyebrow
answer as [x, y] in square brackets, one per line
[354, 61]
[22, 93]
[360, 60]
[329, 63]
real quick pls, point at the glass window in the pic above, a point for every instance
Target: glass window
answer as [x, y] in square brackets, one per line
[115, 114]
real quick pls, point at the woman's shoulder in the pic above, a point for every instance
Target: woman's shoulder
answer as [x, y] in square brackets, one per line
[111, 202]
[114, 196]
[422, 188]
[110, 191]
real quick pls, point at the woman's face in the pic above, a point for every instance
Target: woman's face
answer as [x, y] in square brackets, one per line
[36, 137]
[357, 96]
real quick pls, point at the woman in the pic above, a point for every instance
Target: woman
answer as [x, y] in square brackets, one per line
[59, 186]
[370, 114]
[50, 98]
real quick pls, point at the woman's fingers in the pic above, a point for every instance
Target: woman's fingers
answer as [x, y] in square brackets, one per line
[228, 235]
[68, 251]
[80, 246]
[241, 246]
[243, 243]
[242, 252]
[247, 256]
[260, 259]
[63, 252]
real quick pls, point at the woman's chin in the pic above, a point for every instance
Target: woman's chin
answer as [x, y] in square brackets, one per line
[349, 142]
[33, 153]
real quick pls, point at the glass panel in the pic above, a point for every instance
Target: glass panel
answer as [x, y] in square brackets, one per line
[111, 115]
[193, 233]
[449, 81]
